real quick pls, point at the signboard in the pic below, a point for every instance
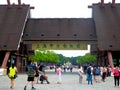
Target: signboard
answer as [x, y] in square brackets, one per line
[59, 45]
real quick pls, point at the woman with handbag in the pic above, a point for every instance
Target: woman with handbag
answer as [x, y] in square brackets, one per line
[12, 75]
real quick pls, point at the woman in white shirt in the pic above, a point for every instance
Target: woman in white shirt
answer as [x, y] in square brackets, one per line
[80, 73]
[59, 73]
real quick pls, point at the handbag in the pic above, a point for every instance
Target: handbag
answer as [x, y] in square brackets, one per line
[35, 73]
[15, 76]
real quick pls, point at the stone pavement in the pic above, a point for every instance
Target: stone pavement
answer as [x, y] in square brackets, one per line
[70, 82]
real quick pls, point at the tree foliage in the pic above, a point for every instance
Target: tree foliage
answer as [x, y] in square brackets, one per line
[73, 60]
[63, 59]
[51, 57]
[87, 58]
[44, 56]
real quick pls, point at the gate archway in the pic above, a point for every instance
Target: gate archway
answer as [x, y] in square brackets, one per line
[19, 34]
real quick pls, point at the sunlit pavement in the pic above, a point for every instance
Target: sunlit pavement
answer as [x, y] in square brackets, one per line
[69, 82]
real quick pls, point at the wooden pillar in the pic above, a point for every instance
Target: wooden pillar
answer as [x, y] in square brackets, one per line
[102, 59]
[113, 3]
[102, 3]
[19, 4]
[110, 59]
[103, 62]
[9, 4]
[5, 59]
[99, 58]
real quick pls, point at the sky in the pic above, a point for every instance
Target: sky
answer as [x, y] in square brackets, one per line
[62, 9]
[73, 53]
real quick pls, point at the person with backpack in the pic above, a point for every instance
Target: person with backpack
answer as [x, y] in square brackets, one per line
[30, 70]
[89, 74]
[116, 76]
[11, 74]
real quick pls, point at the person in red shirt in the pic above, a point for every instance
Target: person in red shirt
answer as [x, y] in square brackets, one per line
[116, 75]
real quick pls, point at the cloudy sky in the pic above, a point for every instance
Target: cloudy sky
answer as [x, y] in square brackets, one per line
[61, 9]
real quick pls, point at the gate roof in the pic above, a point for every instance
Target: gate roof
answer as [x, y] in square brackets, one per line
[107, 23]
[12, 22]
[62, 29]
[103, 27]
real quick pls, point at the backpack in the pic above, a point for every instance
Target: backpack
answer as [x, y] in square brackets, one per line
[97, 72]
[89, 70]
[12, 72]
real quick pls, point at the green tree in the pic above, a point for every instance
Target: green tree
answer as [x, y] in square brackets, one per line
[73, 60]
[87, 58]
[45, 56]
[63, 59]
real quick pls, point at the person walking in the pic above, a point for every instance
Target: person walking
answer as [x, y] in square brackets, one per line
[59, 73]
[104, 73]
[30, 70]
[97, 74]
[116, 76]
[80, 73]
[11, 74]
[90, 74]
[36, 68]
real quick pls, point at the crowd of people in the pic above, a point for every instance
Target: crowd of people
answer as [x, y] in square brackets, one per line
[36, 73]
[98, 74]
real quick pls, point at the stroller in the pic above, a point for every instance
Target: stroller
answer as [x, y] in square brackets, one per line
[44, 78]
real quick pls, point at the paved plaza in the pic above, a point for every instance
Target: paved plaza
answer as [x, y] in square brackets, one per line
[70, 82]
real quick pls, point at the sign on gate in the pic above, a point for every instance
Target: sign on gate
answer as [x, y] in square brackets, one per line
[60, 45]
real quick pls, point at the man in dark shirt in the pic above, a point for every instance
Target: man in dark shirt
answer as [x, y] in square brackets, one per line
[30, 70]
